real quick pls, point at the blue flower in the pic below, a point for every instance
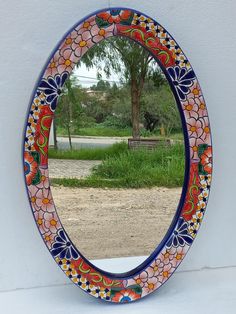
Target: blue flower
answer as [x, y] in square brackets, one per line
[180, 236]
[115, 12]
[182, 80]
[62, 247]
[52, 88]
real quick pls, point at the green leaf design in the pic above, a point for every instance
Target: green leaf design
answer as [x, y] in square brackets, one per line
[201, 149]
[37, 179]
[129, 21]
[201, 170]
[136, 288]
[36, 157]
[101, 23]
[113, 293]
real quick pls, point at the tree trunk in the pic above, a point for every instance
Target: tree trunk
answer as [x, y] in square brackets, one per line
[69, 136]
[163, 132]
[135, 102]
[55, 133]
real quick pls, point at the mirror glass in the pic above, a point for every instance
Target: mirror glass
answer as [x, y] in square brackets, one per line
[116, 158]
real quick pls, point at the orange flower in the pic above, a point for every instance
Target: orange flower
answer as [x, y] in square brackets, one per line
[30, 167]
[115, 16]
[206, 160]
[125, 296]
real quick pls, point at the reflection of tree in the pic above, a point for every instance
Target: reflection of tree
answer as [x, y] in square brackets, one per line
[162, 109]
[151, 121]
[69, 107]
[132, 62]
[95, 102]
[143, 94]
[109, 106]
[101, 86]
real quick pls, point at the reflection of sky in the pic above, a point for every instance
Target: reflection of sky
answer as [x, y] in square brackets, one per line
[89, 76]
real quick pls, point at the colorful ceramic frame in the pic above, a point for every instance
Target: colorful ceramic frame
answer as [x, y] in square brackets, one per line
[161, 264]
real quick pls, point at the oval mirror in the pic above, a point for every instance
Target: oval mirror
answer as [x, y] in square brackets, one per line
[130, 155]
[134, 170]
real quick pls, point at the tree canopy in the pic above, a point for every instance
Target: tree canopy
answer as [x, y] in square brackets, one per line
[142, 99]
[134, 64]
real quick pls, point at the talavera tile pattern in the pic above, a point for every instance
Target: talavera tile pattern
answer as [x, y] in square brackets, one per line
[190, 100]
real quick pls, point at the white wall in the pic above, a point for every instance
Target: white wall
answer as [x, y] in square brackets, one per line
[29, 30]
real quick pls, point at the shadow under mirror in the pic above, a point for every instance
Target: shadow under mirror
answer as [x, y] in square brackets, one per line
[117, 156]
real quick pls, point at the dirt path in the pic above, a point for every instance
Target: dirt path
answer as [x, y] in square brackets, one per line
[106, 223]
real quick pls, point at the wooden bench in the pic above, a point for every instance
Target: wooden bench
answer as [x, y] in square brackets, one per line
[148, 144]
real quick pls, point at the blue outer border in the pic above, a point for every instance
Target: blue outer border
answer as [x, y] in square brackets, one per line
[149, 260]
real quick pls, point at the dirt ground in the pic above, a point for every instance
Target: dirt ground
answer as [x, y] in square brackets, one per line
[105, 223]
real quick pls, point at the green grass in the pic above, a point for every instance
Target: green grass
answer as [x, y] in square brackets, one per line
[89, 153]
[98, 130]
[136, 169]
[101, 130]
[104, 131]
[177, 136]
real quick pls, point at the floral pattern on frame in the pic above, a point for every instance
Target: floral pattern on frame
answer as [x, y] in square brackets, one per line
[151, 35]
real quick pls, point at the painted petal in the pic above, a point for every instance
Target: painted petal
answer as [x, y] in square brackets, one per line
[190, 75]
[49, 91]
[172, 73]
[56, 252]
[68, 255]
[180, 222]
[87, 35]
[52, 82]
[63, 78]
[94, 30]
[181, 94]
[182, 73]
[169, 243]
[54, 104]
[175, 241]
[97, 38]
[186, 83]
[177, 71]
[183, 88]
[58, 80]
[187, 239]
[74, 253]
[183, 227]
[125, 14]
[44, 84]
[181, 241]
[183, 233]
[208, 168]
[62, 235]
[63, 253]
[51, 98]
[104, 15]
[59, 239]
[67, 53]
[61, 68]
[58, 245]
